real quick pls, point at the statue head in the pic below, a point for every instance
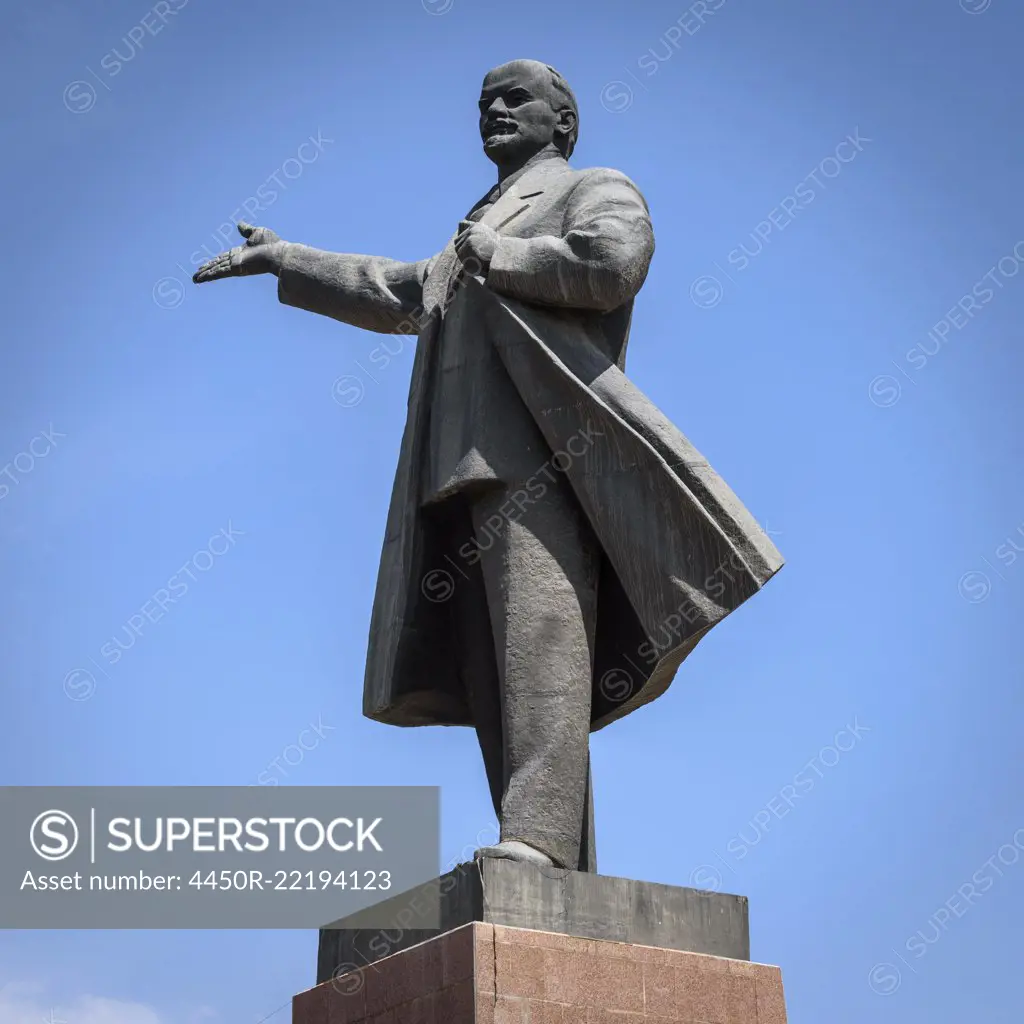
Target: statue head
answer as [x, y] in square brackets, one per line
[526, 106]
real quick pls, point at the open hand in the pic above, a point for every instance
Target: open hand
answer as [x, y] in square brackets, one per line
[475, 244]
[261, 254]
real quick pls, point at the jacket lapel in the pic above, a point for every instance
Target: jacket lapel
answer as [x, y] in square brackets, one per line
[523, 193]
[512, 204]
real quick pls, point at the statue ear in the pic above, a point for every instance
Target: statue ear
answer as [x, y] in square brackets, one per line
[566, 121]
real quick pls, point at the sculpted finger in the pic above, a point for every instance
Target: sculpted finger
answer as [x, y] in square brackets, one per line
[219, 266]
[206, 267]
[211, 272]
[245, 230]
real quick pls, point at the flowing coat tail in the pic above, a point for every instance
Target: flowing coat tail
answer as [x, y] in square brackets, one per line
[681, 551]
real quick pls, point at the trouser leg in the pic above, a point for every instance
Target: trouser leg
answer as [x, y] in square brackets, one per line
[474, 644]
[540, 566]
[588, 841]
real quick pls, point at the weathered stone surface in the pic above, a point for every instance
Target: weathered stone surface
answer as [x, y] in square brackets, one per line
[489, 974]
[571, 903]
[555, 547]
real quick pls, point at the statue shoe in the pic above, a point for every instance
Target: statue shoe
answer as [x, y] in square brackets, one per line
[513, 849]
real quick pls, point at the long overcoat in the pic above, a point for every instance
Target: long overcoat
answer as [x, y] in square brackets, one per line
[680, 550]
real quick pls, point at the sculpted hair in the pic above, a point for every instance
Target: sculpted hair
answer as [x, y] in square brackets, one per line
[567, 143]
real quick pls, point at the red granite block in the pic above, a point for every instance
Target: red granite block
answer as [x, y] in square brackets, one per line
[375, 986]
[345, 998]
[523, 970]
[659, 981]
[574, 1014]
[483, 1006]
[483, 974]
[504, 934]
[650, 954]
[756, 972]
[405, 976]
[459, 950]
[699, 961]
[484, 959]
[702, 995]
[609, 982]
[502, 958]
[543, 1012]
[433, 965]
[510, 1010]
[422, 1010]
[583, 947]
[455, 1004]
[548, 940]
[740, 1000]
[614, 950]
[599, 1015]
[310, 1007]
[771, 1005]
[562, 971]
[527, 972]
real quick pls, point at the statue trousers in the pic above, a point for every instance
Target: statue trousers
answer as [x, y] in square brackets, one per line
[523, 613]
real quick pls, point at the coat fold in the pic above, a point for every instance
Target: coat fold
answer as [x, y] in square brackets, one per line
[680, 550]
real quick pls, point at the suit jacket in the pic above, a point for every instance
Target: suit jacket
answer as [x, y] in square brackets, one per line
[680, 550]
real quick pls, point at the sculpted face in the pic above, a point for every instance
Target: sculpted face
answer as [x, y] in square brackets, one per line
[520, 112]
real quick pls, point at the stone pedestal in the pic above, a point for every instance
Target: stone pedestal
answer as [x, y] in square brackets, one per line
[491, 974]
[503, 892]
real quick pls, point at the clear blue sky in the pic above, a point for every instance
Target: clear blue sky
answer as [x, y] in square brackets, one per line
[886, 465]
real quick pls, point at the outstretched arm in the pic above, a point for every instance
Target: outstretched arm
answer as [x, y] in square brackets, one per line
[599, 261]
[371, 292]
